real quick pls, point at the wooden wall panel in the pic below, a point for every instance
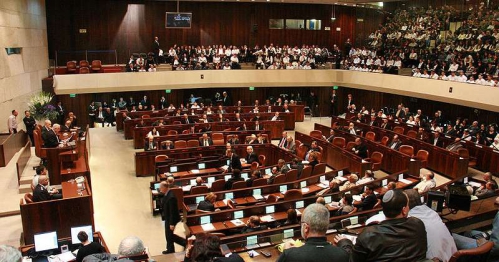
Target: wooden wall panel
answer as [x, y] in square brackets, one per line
[129, 26]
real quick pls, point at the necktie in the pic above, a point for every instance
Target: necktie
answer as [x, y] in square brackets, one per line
[205, 142]
[187, 121]
[282, 142]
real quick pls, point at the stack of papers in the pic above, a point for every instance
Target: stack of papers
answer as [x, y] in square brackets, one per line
[322, 185]
[342, 179]
[405, 181]
[267, 218]
[474, 184]
[237, 222]
[195, 171]
[208, 227]
[186, 188]
[305, 190]
[334, 204]
[258, 197]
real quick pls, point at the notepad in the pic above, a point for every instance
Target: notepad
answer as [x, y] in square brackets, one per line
[237, 222]
[305, 190]
[267, 218]
[208, 227]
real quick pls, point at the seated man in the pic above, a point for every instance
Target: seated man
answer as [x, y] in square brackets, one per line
[130, 247]
[368, 177]
[270, 178]
[398, 238]
[297, 164]
[41, 170]
[254, 176]
[368, 200]
[167, 145]
[396, 143]
[488, 191]
[352, 182]
[208, 204]
[150, 144]
[290, 145]
[252, 225]
[314, 224]
[282, 167]
[474, 238]
[360, 148]
[87, 248]
[205, 140]
[49, 135]
[426, 183]
[251, 157]
[43, 193]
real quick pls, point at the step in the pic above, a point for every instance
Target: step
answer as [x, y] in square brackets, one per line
[26, 180]
[25, 188]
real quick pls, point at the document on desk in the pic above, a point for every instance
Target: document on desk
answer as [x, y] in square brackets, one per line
[237, 222]
[405, 181]
[258, 197]
[224, 167]
[208, 227]
[342, 179]
[186, 188]
[66, 256]
[334, 204]
[474, 184]
[195, 171]
[357, 197]
[305, 190]
[267, 218]
[351, 237]
[321, 185]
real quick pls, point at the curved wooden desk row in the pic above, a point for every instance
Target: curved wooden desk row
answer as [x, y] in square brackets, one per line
[241, 135]
[60, 215]
[288, 118]
[145, 165]
[439, 159]
[223, 221]
[274, 127]
[298, 111]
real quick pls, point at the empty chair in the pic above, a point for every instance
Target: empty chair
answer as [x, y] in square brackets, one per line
[84, 63]
[279, 179]
[291, 175]
[96, 65]
[218, 185]
[192, 143]
[398, 130]
[218, 139]
[376, 159]
[145, 116]
[422, 155]
[406, 149]
[239, 185]
[370, 135]
[160, 158]
[28, 198]
[71, 67]
[254, 166]
[262, 159]
[412, 134]
[185, 132]
[180, 144]
[84, 70]
[384, 140]
[306, 172]
[172, 132]
[339, 141]
[195, 190]
[319, 169]
[316, 134]
[463, 152]
[481, 250]
[260, 182]
[293, 194]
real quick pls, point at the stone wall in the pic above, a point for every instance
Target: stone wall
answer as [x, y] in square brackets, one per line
[22, 24]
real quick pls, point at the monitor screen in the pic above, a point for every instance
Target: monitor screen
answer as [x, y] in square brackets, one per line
[178, 20]
[46, 241]
[156, 186]
[384, 182]
[257, 191]
[283, 188]
[303, 184]
[340, 173]
[354, 220]
[199, 199]
[244, 176]
[401, 176]
[205, 220]
[227, 177]
[238, 214]
[193, 182]
[300, 204]
[201, 165]
[465, 180]
[173, 169]
[268, 171]
[229, 195]
[76, 230]
[251, 240]
[211, 180]
[323, 178]
[288, 233]
[269, 209]
[327, 199]
[228, 162]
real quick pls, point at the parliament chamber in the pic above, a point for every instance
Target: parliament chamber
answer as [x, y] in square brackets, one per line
[257, 110]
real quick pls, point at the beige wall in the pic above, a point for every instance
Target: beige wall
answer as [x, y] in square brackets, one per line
[482, 97]
[22, 24]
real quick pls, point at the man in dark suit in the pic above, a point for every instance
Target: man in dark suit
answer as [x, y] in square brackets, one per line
[30, 124]
[349, 102]
[396, 143]
[60, 110]
[235, 162]
[258, 126]
[400, 112]
[236, 177]
[49, 135]
[385, 124]
[146, 104]
[368, 199]
[155, 48]
[334, 103]
[284, 140]
[162, 103]
[314, 224]
[252, 225]
[66, 127]
[360, 149]
[150, 144]
[170, 216]
[436, 140]
[42, 193]
[205, 140]
[226, 101]
[109, 117]
[185, 120]
[251, 157]
[373, 121]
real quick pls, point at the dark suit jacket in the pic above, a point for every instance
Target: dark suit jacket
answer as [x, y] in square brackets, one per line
[362, 150]
[368, 202]
[183, 121]
[41, 194]
[49, 137]
[65, 129]
[170, 209]
[201, 142]
[396, 143]
[386, 126]
[315, 249]
[251, 158]
[206, 206]
[30, 124]
[439, 143]
[235, 163]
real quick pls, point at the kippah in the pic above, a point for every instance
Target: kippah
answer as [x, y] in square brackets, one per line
[388, 196]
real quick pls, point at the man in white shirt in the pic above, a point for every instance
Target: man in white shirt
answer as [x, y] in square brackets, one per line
[12, 122]
[426, 184]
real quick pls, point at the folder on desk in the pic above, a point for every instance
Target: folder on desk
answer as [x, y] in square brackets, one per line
[305, 190]
[208, 227]
[237, 222]
[267, 218]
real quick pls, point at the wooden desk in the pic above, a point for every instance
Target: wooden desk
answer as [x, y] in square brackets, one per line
[97, 238]
[58, 215]
[10, 145]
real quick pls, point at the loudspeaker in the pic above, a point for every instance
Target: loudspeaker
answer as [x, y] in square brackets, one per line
[435, 200]
[458, 198]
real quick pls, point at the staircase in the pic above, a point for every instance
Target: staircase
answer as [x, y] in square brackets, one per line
[25, 181]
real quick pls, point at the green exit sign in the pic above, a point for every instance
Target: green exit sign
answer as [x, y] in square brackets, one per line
[72, 95]
[252, 88]
[168, 91]
[335, 87]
